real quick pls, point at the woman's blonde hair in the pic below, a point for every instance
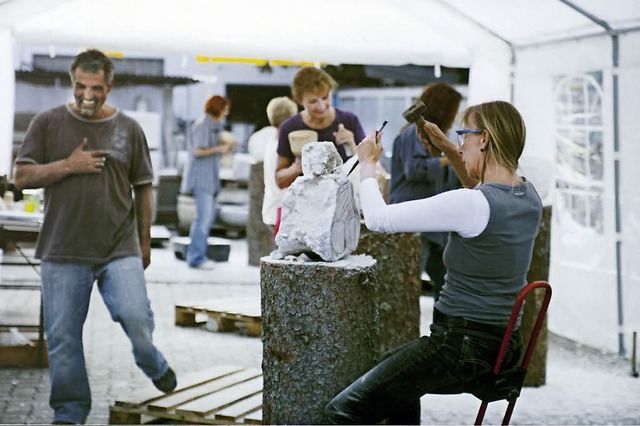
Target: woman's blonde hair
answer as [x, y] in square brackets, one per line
[311, 79]
[279, 109]
[506, 128]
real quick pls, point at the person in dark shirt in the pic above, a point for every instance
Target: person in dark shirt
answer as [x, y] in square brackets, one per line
[417, 173]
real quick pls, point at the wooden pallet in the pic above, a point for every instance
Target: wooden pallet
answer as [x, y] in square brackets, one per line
[24, 355]
[224, 315]
[221, 395]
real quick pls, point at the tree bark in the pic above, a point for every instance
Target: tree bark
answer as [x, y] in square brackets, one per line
[259, 236]
[538, 271]
[399, 285]
[320, 332]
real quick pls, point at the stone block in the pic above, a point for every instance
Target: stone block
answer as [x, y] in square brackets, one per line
[319, 212]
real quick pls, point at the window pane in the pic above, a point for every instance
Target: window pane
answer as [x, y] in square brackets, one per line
[580, 153]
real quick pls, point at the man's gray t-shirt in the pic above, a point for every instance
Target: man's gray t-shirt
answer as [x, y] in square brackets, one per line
[89, 217]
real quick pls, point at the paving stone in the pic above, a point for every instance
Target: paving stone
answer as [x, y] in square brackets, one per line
[24, 393]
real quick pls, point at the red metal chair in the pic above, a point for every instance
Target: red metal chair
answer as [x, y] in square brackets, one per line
[508, 384]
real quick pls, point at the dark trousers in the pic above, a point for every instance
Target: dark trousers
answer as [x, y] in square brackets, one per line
[455, 354]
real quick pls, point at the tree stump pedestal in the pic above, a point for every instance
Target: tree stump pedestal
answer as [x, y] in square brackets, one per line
[399, 285]
[259, 236]
[320, 332]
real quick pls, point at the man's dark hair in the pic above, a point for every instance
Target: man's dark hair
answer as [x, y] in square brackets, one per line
[93, 60]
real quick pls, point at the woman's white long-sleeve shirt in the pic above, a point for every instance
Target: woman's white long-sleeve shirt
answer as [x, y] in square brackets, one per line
[465, 211]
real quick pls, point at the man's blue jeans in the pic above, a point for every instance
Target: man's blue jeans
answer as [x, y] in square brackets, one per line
[66, 292]
[445, 362]
[201, 227]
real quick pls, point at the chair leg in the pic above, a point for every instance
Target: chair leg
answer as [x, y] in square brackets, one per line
[507, 415]
[507, 337]
[481, 411]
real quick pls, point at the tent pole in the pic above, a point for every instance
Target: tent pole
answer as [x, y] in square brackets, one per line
[512, 74]
[616, 170]
[616, 164]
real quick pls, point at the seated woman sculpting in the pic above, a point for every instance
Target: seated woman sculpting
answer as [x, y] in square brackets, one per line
[492, 228]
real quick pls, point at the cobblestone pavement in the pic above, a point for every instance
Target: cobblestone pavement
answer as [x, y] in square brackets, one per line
[584, 386]
[24, 393]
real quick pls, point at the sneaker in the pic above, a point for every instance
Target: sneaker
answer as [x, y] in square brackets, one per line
[207, 265]
[167, 382]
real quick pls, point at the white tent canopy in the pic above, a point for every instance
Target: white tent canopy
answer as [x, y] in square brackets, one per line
[428, 32]
[482, 35]
[559, 61]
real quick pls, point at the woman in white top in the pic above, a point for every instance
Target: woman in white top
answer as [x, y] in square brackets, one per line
[492, 227]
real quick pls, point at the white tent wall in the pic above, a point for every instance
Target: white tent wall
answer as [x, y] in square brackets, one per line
[583, 261]
[488, 57]
[490, 76]
[629, 76]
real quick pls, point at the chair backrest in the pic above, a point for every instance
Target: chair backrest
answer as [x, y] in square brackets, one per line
[517, 307]
[507, 385]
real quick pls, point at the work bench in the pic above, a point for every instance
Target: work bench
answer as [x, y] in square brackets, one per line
[18, 228]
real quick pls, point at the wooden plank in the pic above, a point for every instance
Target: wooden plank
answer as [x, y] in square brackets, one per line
[237, 307]
[211, 403]
[222, 323]
[246, 311]
[189, 396]
[232, 412]
[148, 394]
[224, 315]
[225, 323]
[122, 418]
[250, 326]
[238, 399]
[253, 418]
[185, 317]
[220, 304]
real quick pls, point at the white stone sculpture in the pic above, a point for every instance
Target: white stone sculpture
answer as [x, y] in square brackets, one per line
[319, 211]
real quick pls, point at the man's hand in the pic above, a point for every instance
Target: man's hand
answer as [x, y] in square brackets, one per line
[143, 202]
[30, 175]
[81, 161]
[146, 255]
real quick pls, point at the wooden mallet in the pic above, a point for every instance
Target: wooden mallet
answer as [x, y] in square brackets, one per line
[414, 114]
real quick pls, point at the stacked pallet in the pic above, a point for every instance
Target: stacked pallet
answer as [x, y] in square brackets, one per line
[221, 395]
[223, 315]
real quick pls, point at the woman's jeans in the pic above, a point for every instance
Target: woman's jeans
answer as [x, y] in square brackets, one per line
[66, 293]
[201, 226]
[443, 363]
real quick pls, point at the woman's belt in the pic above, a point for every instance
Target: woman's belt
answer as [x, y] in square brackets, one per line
[460, 322]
